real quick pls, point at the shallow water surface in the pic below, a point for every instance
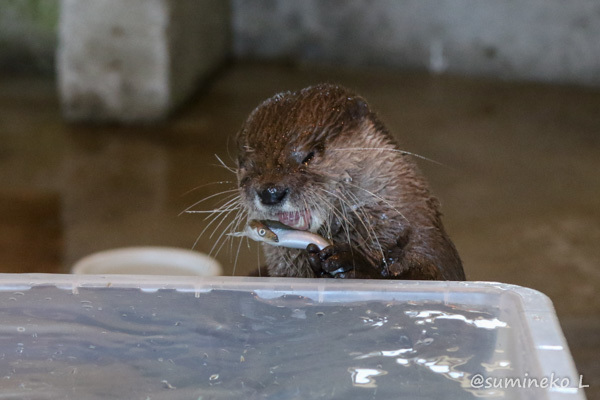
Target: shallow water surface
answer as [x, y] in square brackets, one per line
[225, 344]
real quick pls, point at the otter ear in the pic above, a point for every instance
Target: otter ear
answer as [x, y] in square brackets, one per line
[357, 107]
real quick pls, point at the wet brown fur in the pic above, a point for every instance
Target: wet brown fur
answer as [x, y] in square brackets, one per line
[396, 223]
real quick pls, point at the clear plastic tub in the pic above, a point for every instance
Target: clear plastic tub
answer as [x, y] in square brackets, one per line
[156, 337]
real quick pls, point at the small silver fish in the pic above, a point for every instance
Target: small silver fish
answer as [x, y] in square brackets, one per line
[277, 234]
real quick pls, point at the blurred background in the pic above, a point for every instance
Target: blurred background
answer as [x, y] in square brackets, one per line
[112, 114]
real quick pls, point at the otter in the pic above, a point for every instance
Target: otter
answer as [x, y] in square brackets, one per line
[319, 159]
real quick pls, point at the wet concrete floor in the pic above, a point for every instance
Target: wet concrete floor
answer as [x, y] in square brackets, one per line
[519, 185]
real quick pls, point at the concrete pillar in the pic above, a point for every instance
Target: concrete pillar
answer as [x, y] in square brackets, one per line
[135, 60]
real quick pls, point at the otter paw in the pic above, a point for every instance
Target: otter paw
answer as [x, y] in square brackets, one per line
[314, 260]
[339, 261]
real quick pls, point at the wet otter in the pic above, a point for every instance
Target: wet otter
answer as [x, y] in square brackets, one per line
[319, 159]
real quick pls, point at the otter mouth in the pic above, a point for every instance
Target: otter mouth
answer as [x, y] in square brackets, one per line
[295, 219]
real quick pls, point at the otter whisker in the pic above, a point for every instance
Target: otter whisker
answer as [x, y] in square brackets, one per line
[232, 205]
[379, 198]
[223, 239]
[217, 211]
[346, 203]
[228, 168]
[236, 222]
[344, 219]
[223, 219]
[216, 216]
[258, 259]
[292, 261]
[402, 152]
[230, 201]
[237, 255]
[206, 184]
[347, 225]
[363, 219]
[317, 205]
[350, 202]
[228, 147]
[221, 236]
[312, 204]
[208, 198]
[341, 214]
[241, 219]
[240, 216]
[370, 229]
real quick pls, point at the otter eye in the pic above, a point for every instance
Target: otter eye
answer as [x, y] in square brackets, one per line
[262, 232]
[308, 158]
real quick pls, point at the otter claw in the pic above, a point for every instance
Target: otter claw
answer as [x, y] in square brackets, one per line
[339, 261]
[314, 260]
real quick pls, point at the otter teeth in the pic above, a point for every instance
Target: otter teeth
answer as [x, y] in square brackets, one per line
[295, 219]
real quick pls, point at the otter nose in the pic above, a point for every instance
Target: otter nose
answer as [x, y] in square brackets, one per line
[272, 195]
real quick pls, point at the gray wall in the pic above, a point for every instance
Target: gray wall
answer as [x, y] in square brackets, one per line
[546, 40]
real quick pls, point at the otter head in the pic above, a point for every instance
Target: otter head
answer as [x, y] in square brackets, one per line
[292, 161]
